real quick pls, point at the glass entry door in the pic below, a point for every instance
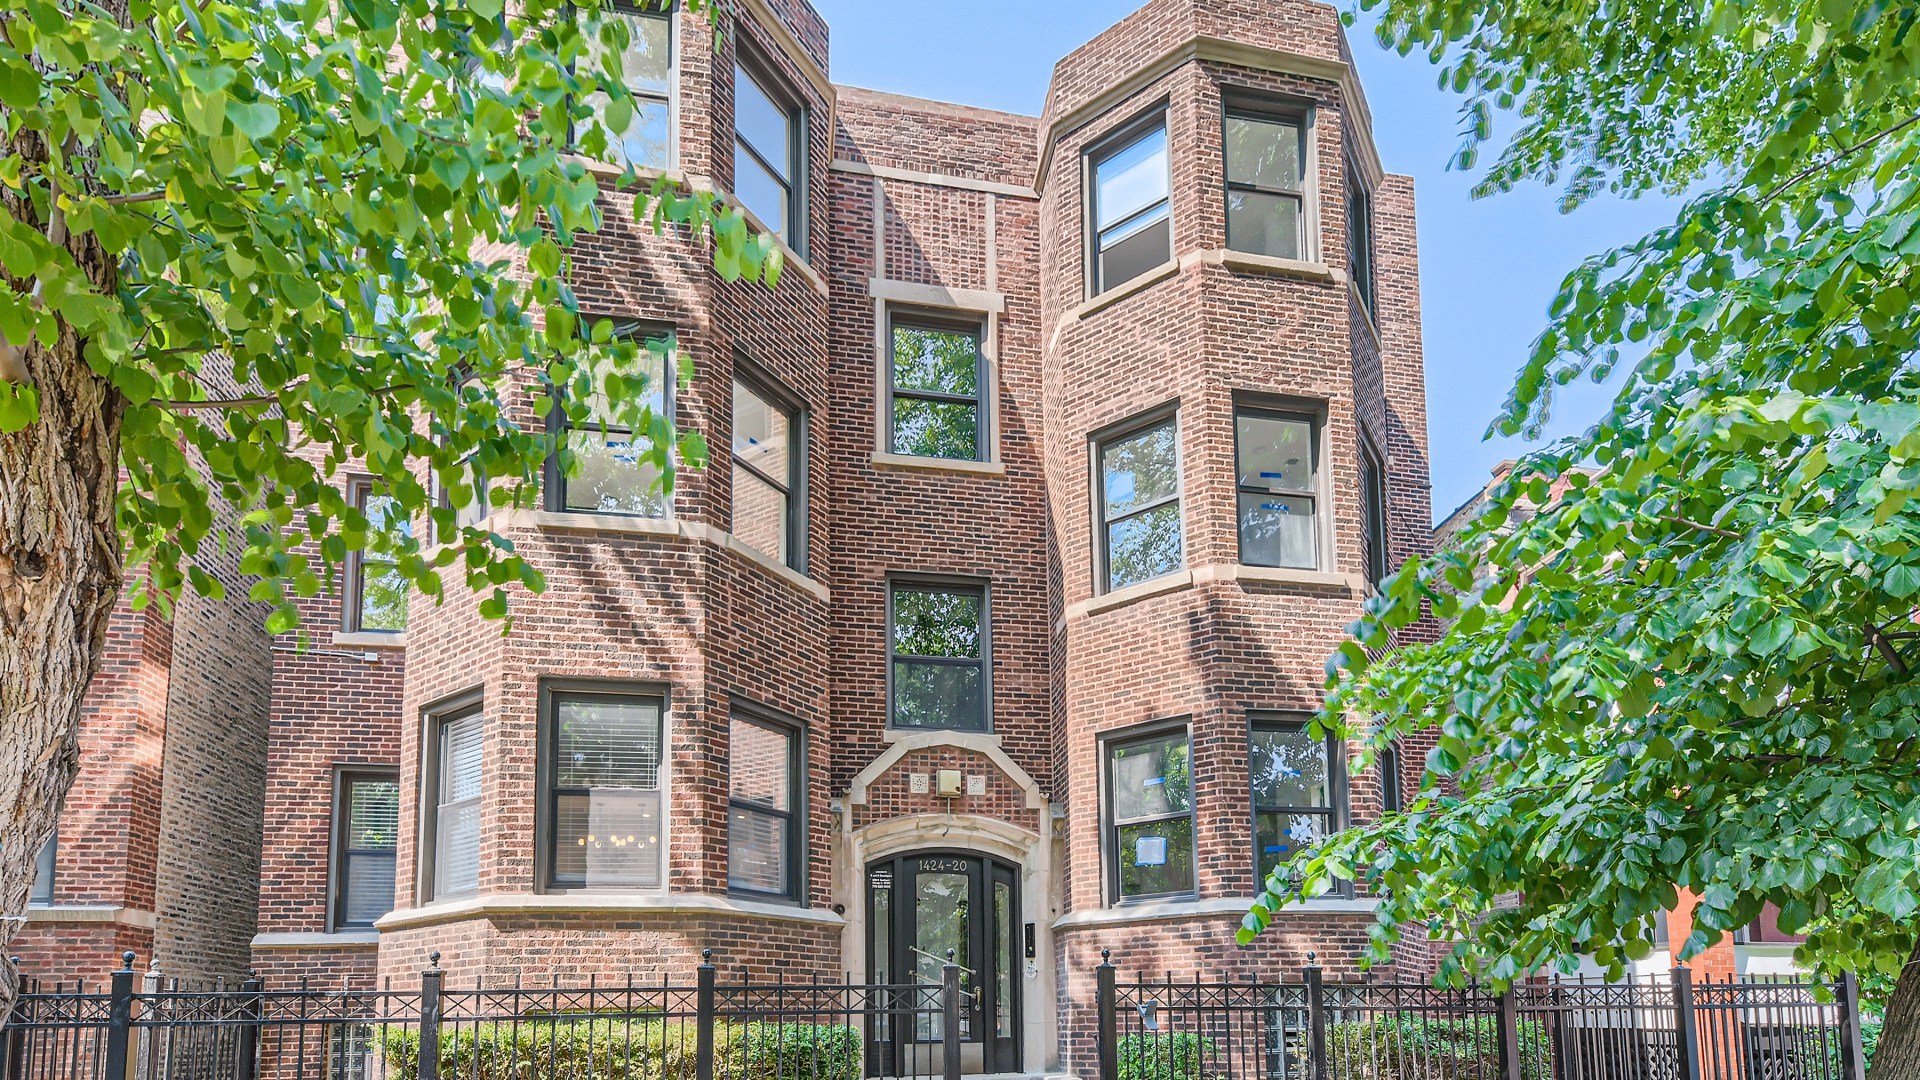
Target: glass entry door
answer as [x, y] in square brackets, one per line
[920, 908]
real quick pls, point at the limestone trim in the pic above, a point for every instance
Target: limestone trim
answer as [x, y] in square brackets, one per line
[932, 179]
[791, 260]
[1210, 573]
[1165, 583]
[92, 913]
[1280, 575]
[1255, 263]
[672, 527]
[884, 460]
[343, 939]
[1120, 292]
[987, 746]
[370, 639]
[1032, 855]
[913, 292]
[1235, 54]
[1366, 316]
[497, 905]
[1205, 909]
[790, 46]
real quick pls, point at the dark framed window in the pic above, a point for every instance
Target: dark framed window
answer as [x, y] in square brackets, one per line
[1373, 514]
[454, 783]
[765, 770]
[769, 151]
[769, 460]
[42, 892]
[1266, 150]
[1130, 227]
[1360, 238]
[645, 66]
[1298, 789]
[603, 788]
[936, 388]
[1392, 795]
[366, 835]
[1149, 810]
[1277, 452]
[937, 645]
[610, 473]
[1137, 496]
[376, 594]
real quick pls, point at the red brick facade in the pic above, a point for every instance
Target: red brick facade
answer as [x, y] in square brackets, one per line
[928, 208]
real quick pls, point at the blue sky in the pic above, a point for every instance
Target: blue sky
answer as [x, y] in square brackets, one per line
[1489, 267]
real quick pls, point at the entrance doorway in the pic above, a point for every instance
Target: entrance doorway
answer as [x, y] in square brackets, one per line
[920, 907]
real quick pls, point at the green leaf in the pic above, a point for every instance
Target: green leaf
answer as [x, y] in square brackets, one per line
[19, 407]
[256, 121]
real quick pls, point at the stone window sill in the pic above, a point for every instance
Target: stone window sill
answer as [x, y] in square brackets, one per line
[1205, 909]
[1248, 262]
[92, 913]
[1281, 575]
[337, 939]
[1368, 318]
[1165, 583]
[1125, 289]
[915, 463]
[495, 905]
[370, 639]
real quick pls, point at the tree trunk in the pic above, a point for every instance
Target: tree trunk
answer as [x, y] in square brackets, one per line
[1898, 1055]
[60, 572]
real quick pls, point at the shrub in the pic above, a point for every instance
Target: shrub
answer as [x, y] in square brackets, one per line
[791, 1052]
[1406, 1047]
[1164, 1055]
[590, 1049]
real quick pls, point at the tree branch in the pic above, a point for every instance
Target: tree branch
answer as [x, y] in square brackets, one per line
[1886, 649]
[1714, 529]
[1821, 166]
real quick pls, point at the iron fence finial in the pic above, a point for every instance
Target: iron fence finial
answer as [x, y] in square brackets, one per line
[433, 960]
[126, 960]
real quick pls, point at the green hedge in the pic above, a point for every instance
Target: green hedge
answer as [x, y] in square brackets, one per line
[1166, 1055]
[1404, 1047]
[588, 1049]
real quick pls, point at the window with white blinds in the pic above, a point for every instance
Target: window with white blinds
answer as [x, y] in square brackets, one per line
[604, 790]
[456, 819]
[366, 835]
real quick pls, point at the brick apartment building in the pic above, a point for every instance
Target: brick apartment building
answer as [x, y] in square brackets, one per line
[1042, 487]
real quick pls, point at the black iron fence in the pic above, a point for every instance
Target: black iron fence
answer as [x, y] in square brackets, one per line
[1663, 1028]
[1310, 1028]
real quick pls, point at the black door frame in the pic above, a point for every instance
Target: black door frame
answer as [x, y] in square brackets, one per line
[980, 988]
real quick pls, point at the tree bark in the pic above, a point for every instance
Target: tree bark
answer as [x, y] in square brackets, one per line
[60, 572]
[1898, 1055]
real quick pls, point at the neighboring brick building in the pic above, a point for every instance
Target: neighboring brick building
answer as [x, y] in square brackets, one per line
[1042, 487]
